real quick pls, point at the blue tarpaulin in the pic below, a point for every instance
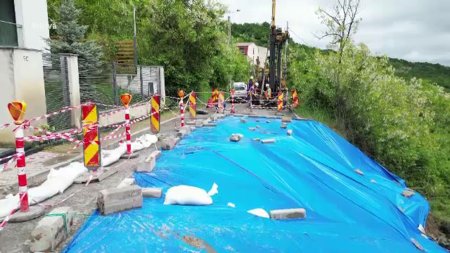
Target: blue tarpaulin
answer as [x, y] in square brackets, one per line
[313, 169]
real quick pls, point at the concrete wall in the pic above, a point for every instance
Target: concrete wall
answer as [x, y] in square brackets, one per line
[33, 16]
[150, 74]
[23, 79]
[135, 112]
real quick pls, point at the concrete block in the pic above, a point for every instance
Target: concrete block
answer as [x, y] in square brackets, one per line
[293, 213]
[126, 182]
[286, 119]
[147, 165]
[182, 132]
[190, 123]
[359, 172]
[51, 230]
[169, 143]
[266, 141]
[210, 124]
[151, 192]
[115, 200]
[407, 193]
[289, 132]
[283, 125]
[199, 124]
[154, 155]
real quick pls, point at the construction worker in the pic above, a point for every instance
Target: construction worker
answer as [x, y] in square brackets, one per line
[268, 92]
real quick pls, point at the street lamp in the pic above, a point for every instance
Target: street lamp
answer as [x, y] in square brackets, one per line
[229, 24]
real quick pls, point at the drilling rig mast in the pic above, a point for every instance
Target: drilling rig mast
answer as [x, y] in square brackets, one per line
[277, 39]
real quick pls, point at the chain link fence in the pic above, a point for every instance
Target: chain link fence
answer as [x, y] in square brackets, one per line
[100, 83]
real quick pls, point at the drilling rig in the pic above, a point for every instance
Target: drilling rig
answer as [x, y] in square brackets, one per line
[278, 39]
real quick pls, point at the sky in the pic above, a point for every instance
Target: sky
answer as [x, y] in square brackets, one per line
[414, 30]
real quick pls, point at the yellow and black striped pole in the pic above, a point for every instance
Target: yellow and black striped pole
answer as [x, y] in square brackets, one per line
[155, 117]
[193, 104]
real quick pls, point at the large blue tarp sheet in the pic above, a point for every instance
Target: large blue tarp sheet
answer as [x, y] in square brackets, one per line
[312, 169]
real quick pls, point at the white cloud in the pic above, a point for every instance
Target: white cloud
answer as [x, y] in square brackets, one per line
[415, 30]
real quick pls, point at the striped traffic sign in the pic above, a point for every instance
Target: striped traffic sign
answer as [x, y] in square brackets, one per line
[155, 114]
[91, 143]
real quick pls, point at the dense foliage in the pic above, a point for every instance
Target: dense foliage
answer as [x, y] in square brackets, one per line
[187, 38]
[434, 73]
[70, 38]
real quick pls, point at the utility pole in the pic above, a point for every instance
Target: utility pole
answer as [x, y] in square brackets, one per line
[285, 54]
[135, 39]
[272, 49]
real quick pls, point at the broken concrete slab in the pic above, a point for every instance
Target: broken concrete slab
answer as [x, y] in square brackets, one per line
[169, 143]
[359, 172]
[236, 137]
[51, 230]
[150, 162]
[32, 213]
[151, 192]
[293, 213]
[183, 132]
[154, 155]
[266, 141]
[286, 119]
[407, 193]
[126, 182]
[210, 124]
[115, 200]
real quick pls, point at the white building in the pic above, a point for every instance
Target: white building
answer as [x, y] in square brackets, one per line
[253, 52]
[23, 31]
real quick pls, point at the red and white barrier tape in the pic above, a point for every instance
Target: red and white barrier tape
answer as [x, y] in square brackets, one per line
[11, 213]
[7, 164]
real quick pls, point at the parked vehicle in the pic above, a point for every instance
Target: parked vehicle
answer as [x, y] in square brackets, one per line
[240, 93]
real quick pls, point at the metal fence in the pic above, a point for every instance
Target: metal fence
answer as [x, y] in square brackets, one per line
[99, 83]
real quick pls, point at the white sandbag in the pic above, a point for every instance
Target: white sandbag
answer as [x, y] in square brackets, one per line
[57, 181]
[189, 195]
[111, 156]
[144, 141]
[259, 212]
[8, 204]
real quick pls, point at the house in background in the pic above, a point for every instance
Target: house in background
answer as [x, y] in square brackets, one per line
[23, 34]
[256, 55]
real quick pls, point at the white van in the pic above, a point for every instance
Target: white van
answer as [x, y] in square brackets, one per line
[240, 90]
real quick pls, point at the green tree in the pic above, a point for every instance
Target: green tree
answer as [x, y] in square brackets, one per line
[70, 38]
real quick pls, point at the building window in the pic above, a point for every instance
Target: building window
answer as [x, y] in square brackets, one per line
[8, 26]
